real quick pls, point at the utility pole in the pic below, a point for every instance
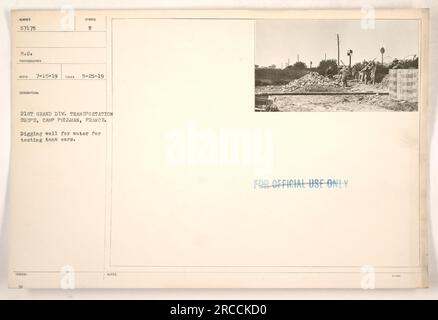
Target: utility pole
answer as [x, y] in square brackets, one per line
[325, 56]
[337, 38]
[298, 57]
[382, 51]
[349, 54]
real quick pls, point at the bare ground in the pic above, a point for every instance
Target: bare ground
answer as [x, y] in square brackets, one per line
[329, 103]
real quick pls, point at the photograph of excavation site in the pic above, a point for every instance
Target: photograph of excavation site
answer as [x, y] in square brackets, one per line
[336, 65]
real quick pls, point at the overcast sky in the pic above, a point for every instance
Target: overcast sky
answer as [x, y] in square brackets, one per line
[278, 40]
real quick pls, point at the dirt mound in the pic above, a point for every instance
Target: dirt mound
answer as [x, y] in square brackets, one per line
[312, 81]
[384, 84]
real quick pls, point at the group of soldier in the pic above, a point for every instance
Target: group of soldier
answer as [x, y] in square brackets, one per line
[366, 74]
[366, 71]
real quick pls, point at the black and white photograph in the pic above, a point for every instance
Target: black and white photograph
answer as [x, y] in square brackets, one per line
[134, 165]
[336, 65]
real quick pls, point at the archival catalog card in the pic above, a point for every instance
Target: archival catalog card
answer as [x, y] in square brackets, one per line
[219, 149]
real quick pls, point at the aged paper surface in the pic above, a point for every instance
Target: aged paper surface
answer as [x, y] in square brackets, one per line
[145, 152]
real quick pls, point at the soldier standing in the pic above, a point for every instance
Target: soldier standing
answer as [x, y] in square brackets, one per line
[344, 75]
[373, 70]
[364, 74]
[354, 72]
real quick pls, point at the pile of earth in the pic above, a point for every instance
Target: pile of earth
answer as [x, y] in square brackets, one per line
[384, 84]
[310, 82]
